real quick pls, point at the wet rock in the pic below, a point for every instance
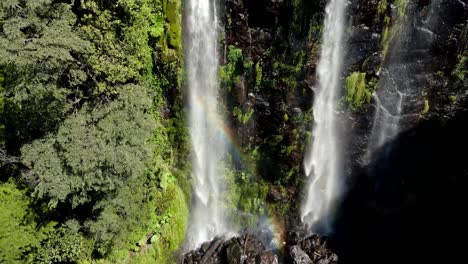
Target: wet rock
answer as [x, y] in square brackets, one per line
[277, 194]
[372, 63]
[314, 247]
[362, 42]
[298, 256]
[267, 257]
[205, 247]
[245, 249]
[235, 254]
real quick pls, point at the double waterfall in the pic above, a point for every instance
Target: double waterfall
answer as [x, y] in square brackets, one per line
[322, 162]
[207, 220]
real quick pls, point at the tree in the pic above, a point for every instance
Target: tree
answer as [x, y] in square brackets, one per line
[2, 121]
[94, 152]
[123, 33]
[43, 77]
[18, 233]
[64, 245]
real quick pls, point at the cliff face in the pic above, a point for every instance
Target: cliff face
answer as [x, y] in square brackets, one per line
[269, 89]
[408, 184]
[405, 65]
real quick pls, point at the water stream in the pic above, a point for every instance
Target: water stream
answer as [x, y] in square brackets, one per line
[207, 220]
[404, 75]
[322, 161]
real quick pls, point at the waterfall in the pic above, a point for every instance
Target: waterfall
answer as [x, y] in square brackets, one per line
[403, 76]
[205, 122]
[322, 161]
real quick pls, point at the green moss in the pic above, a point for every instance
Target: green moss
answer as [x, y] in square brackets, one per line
[246, 197]
[19, 234]
[172, 222]
[453, 98]
[242, 117]
[461, 69]
[275, 140]
[248, 65]
[166, 231]
[175, 25]
[425, 110]
[258, 76]
[385, 34]
[390, 29]
[234, 54]
[171, 43]
[229, 74]
[401, 5]
[290, 81]
[382, 7]
[357, 93]
[168, 54]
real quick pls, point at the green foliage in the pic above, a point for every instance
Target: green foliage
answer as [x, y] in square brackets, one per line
[122, 51]
[81, 93]
[174, 32]
[246, 197]
[392, 25]
[275, 140]
[382, 7]
[43, 80]
[234, 54]
[93, 152]
[122, 221]
[356, 91]
[231, 72]
[401, 5]
[18, 235]
[2, 112]
[258, 76]
[178, 134]
[385, 35]
[461, 69]
[64, 245]
[164, 233]
[290, 68]
[172, 213]
[242, 117]
[425, 110]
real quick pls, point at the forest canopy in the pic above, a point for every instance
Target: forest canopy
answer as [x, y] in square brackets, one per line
[84, 152]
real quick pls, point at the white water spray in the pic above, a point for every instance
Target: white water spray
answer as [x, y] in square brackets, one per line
[202, 65]
[322, 162]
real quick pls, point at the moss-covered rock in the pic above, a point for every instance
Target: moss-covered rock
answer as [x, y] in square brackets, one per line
[357, 93]
[174, 18]
[461, 69]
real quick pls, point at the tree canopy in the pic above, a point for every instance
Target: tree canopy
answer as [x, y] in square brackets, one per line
[94, 151]
[83, 99]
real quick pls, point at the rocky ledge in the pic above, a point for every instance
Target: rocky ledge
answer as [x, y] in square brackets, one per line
[247, 249]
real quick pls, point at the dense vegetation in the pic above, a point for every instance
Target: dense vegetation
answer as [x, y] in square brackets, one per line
[93, 140]
[89, 132]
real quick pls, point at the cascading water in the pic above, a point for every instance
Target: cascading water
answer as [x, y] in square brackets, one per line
[404, 75]
[322, 162]
[205, 122]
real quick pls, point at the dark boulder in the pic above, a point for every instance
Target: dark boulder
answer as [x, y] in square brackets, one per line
[312, 249]
[298, 256]
[235, 254]
[267, 257]
[245, 249]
